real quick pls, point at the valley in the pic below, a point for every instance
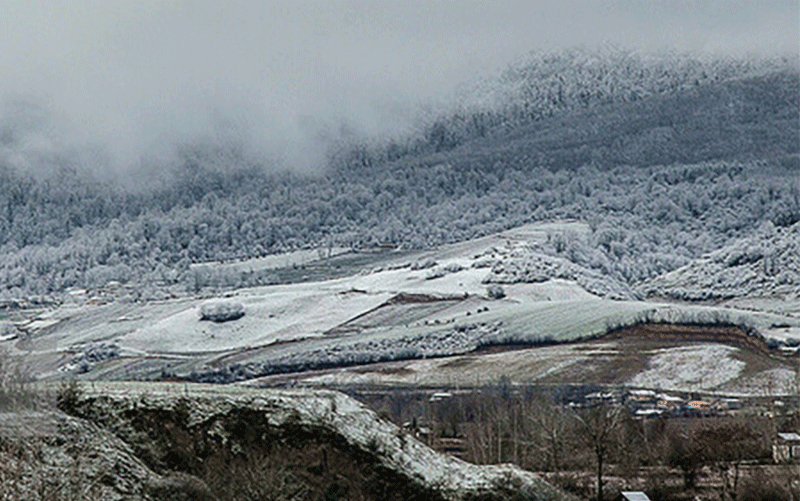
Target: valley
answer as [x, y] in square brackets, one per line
[583, 274]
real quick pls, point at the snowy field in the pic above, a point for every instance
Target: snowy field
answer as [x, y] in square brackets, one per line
[431, 304]
[675, 366]
[693, 367]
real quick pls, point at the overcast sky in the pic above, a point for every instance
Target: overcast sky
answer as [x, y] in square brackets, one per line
[135, 76]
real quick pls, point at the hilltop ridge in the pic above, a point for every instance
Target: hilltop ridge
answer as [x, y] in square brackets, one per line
[188, 429]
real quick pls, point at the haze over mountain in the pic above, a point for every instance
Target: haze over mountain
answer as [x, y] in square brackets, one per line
[117, 87]
[247, 129]
[666, 158]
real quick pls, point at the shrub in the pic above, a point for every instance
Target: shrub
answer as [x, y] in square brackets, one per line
[16, 391]
[69, 394]
[762, 487]
[433, 274]
[221, 311]
[180, 487]
[8, 331]
[421, 265]
[453, 268]
[495, 292]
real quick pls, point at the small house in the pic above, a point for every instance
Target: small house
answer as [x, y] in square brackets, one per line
[669, 401]
[641, 398]
[730, 404]
[632, 496]
[439, 396]
[599, 398]
[786, 448]
[648, 413]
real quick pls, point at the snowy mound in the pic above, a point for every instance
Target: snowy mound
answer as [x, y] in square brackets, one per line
[764, 265]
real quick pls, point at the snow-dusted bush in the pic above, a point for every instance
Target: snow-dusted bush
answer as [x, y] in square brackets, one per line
[221, 311]
[764, 263]
[484, 263]
[457, 340]
[533, 267]
[437, 273]
[453, 268]
[495, 292]
[421, 265]
[91, 353]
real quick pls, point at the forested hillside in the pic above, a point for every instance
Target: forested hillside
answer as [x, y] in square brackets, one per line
[665, 158]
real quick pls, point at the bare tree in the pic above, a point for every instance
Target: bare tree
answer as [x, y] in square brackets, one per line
[597, 431]
[684, 452]
[725, 445]
[551, 426]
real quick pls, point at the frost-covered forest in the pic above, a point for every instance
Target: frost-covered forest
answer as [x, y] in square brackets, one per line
[666, 158]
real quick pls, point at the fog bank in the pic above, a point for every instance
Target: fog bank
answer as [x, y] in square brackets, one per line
[105, 85]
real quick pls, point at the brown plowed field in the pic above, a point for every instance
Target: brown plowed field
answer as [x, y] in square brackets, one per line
[695, 333]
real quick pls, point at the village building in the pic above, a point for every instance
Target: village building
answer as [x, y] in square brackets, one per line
[439, 396]
[669, 402]
[598, 398]
[648, 413]
[697, 408]
[786, 448]
[632, 496]
[641, 399]
[729, 404]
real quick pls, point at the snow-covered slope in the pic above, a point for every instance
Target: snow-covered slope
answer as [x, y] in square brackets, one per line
[767, 264]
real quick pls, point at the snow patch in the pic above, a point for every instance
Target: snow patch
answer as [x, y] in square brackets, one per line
[700, 367]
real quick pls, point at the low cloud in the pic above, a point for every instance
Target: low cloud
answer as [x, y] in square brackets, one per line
[108, 84]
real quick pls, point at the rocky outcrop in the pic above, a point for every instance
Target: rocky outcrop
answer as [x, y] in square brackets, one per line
[311, 443]
[50, 455]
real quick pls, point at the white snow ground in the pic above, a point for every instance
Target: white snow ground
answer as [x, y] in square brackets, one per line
[702, 367]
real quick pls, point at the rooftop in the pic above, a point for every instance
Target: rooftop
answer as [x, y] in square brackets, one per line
[634, 496]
